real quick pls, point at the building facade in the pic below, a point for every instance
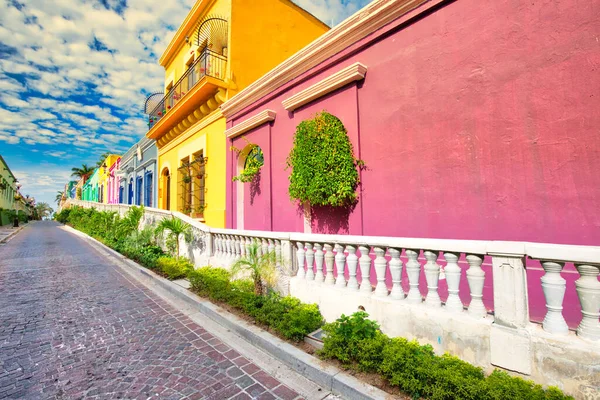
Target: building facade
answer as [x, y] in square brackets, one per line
[90, 187]
[113, 183]
[9, 194]
[220, 48]
[103, 175]
[469, 128]
[138, 174]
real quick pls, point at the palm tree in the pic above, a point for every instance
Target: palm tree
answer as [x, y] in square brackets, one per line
[175, 228]
[83, 172]
[43, 210]
[59, 196]
[261, 266]
[131, 222]
[103, 158]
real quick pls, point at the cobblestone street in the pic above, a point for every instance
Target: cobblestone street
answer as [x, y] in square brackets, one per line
[73, 326]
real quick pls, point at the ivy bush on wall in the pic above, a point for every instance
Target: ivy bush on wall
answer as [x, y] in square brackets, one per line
[324, 169]
[254, 162]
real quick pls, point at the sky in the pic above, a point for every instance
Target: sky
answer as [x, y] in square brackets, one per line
[74, 75]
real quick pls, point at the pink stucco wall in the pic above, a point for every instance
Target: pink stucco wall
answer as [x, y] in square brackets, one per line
[113, 183]
[475, 122]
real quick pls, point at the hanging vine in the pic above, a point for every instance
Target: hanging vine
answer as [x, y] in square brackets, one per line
[324, 169]
[254, 162]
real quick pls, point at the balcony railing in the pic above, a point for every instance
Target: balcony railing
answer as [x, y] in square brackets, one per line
[208, 63]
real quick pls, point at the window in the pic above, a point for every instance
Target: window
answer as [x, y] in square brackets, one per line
[184, 186]
[148, 189]
[138, 191]
[197, 168]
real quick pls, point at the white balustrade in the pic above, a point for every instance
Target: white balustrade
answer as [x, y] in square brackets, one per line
[310, 259]
[476, 278]
[588, 290]
[554, 287]
[413, 270]
[352, 260]
[319, 258]
[380, 266]
[397, 292]
[340, 263]
[300, 256]
[365, 269]
[329, 257]
[453, 271]
[432, 275]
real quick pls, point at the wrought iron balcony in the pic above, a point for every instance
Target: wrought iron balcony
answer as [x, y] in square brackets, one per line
[209, 63]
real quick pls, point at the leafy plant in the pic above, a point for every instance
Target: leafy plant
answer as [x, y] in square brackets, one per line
[211, 282]
[260, 266]
[130, 222]
[254, 162]
[174, 268]
[174, 228]
[323, 164]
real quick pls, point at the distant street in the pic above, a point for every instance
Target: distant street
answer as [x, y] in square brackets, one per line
[73, 326]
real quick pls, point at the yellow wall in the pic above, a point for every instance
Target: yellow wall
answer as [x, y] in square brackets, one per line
[266, 32]
[177, 66]
[103, 176]
[211, 140]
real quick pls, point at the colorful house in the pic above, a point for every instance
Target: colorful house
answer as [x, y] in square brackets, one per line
[221, 47]
[8, 191]
[90, 188]
[79, 189]
[469, 127]
[113, 183]
[103, 174]
[138, 173]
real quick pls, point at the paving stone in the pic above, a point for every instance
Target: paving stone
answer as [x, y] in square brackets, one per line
[73, 326]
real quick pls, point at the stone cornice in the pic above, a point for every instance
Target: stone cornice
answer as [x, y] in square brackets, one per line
[354, 72]
[251, 123]
[363, 23]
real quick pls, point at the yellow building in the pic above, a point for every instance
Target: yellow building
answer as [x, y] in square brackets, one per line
[103, 175]
[221, 47]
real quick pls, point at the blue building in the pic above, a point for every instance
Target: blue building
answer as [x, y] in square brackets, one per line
[138, 174]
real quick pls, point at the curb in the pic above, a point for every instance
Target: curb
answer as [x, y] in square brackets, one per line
[12, 234]
[330, 377]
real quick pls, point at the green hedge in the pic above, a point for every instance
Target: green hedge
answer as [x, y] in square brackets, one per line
[357, 342]
[287, 316]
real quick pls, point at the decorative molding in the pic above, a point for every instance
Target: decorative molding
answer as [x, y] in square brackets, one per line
[192, 130]
[363, 23]
[251, 123]
[354, 72]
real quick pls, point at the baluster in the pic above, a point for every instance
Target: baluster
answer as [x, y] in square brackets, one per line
[228, 246]
[310, 258]
[588, 291]
[413, 270]
[432, 275]
[265, 246]
[329, 279]
[242, 244]
[248, 244]
[217, 246]
[365, 269]
[352, 264]
[554, 287]
[278, 255]
[453, 302]
[238, 247]
[271, 247]
[340, 263]
[319, 258]
[300, 256]
[259, 251]
[396, 271]
[380, 265]
[476, 277]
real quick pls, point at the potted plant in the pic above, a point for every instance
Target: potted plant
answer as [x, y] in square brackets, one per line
[187, 178]
[199, 211]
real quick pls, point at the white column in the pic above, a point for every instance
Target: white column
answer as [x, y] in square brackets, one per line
[588, 290]
[340, 263]
[217, 242]
[413, 270]
[453, 303]
[554, 287]
[397, 292]
[432, 274]
[329, 257]
[365, 269]
[310, 258]
[352, 264]
[319, 258]
[476, 277]
[380, 266]
[300, 256]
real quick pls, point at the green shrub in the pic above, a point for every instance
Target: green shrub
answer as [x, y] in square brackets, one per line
[211, 282]
[63, 215]
[417, 371]
[174, 268]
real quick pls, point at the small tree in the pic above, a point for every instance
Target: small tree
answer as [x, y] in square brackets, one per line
[175, 228]
[262, 267]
